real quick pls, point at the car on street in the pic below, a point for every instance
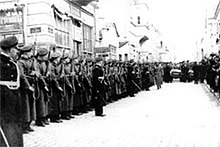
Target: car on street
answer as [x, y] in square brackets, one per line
[175, 73]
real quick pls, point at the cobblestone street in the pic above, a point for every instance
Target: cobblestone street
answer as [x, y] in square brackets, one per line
[178, 115]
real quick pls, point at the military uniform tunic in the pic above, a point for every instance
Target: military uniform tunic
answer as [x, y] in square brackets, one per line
[10, 104]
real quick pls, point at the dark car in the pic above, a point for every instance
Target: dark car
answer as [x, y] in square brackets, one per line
[175, 73]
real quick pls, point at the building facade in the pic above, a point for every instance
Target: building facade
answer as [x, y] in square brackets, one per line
[107, 41]
[61, 24]
[210, 40]
[131, 20]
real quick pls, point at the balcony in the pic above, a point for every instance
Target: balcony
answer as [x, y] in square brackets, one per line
[83, 2]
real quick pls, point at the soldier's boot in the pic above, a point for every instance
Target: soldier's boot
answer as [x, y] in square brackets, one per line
[55, 119]
[70, 115]
[25, 127]
[46, 121]
[39, 122]
[30, 129]
[64, 115]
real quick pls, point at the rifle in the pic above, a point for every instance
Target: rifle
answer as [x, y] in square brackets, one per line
[136, 85]
[35, 84]
[72, 71]
[63, 93]
[84, 74]
[4, 137]
[48, 76]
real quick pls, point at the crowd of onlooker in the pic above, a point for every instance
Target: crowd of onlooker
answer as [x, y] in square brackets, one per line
[206, 71]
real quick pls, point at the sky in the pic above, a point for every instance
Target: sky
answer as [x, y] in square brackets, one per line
[180, 22]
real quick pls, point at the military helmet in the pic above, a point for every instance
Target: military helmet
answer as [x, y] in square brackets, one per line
[54, 56]
[24, 49]
[42, 52]
[8, 42]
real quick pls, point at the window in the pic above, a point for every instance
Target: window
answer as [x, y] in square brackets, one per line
[76, 48]
[61, 31]
[126, 57]
[50, 30]
[139, 20]
[120, 57]
[87, 38]
[35, 30]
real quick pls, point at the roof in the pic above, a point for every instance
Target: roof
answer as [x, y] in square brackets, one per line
[121, 44]
[143, 39]
[83, 2]
[217, 11]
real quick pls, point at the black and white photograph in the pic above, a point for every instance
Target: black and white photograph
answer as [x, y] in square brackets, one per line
[109, 73]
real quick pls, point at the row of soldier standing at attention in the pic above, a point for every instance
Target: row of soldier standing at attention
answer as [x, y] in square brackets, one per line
[44, 86]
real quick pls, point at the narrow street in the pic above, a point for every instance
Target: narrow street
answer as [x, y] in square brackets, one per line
[178, 115]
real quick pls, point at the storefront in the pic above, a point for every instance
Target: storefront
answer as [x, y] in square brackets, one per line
[12, 21]
[59, 24]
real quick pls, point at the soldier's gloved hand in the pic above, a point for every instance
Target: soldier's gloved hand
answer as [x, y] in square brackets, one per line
[46, 89]
[31, 89]
[48, 74]
[62, 75]
[101, 78]
[71, 87]
[35, 73]
[60, 88]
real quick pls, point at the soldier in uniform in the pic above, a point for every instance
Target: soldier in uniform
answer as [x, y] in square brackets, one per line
[27, 90]
[146, 78]
[107, 85]
[42, 100]
[10, 111]
[55, 101]
[123, 79]
[68, 89]
[86, 80]
[158, 75]
[98, 88]
[77, 98]
[117, 81]
[130, 79]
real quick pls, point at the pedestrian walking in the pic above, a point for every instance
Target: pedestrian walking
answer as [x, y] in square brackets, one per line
[196, 72]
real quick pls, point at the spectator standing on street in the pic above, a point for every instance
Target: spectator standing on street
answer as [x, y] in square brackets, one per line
[196, 72]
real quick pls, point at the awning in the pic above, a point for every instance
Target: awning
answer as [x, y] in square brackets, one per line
[83, 2]
[64, 15]
[143, 39]
[121, 44]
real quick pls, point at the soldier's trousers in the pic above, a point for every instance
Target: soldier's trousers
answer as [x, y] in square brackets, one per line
[11, 118]
[98, 110]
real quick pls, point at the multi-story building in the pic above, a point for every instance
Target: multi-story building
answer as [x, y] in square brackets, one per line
[107, 41]
[210, 40]
[59, 24]
[131, 20]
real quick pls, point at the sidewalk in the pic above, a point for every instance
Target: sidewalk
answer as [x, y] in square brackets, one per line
[178, 115]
